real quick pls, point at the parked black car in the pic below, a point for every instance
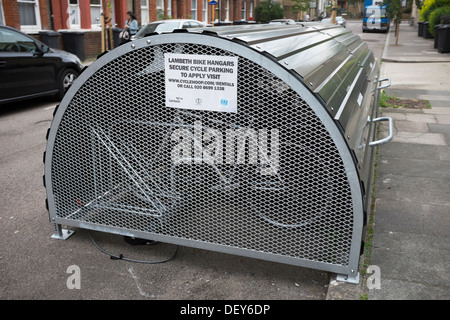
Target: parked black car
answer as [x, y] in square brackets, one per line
[29, 68]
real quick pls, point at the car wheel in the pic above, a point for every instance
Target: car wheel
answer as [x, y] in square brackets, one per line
[65, 81]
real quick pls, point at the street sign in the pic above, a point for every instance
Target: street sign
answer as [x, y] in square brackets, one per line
[212, 2]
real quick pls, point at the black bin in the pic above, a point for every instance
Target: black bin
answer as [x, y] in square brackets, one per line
[116, 36]
[426, 30]
[443, 33]
[436, 38]
[50, 38]
[420, 28]
[74, 42]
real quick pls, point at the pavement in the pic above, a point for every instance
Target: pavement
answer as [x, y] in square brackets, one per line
[409, 257]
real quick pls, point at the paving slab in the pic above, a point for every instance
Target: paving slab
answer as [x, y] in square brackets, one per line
[393, 289]
[436, 219]
[416, 167]
[445, 104]
[443, 118]
[437, 139]
[408, 93]
[437, 110]
[396, 116]
[434, 97]
[412, 257]
[402, 125]
[439, 128]
[398, 187]
[419, 117]
[399, 216]
[402, 150]
[410, 77]
[444, 152]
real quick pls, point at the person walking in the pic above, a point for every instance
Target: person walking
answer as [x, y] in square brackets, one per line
[130, 28]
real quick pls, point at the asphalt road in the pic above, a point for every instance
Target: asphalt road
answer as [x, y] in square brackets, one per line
[35, 266]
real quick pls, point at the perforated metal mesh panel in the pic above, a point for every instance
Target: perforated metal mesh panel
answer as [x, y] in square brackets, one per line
[268, 178]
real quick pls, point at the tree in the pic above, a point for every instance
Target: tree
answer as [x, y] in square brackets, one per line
[268, 10]
[419, 3]
[394, 10]
[299, 6]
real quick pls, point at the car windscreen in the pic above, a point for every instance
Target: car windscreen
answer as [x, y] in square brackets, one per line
[157, 27]
[375, 13]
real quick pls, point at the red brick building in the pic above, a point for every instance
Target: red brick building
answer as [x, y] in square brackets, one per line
[32, 16]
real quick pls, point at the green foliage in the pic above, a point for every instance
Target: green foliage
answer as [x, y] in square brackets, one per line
[429, 6]
[264, 13]
[419, 3]
[394, 9]
[425, 8]
[436, 15]
[386, 100]
[300, 5]
[160, 14]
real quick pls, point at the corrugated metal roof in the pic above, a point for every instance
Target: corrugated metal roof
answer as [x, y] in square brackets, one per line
[327, 57]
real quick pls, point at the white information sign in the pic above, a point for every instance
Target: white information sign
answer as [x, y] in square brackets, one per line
[200, 82]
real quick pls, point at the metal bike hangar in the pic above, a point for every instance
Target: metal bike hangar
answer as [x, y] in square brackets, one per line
[296, 188]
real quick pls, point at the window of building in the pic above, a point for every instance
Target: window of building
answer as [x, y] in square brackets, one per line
[160, 9]
[250, 11]
[130, 6]
[30, 19]
[96, 11]
[194, 9]
[145, 14]
[227, 11]
[205, 11]
[243, 9]
[169, 9]
[2, 17]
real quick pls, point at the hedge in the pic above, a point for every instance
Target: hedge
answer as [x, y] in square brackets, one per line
[436, 15]
[429, 6]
